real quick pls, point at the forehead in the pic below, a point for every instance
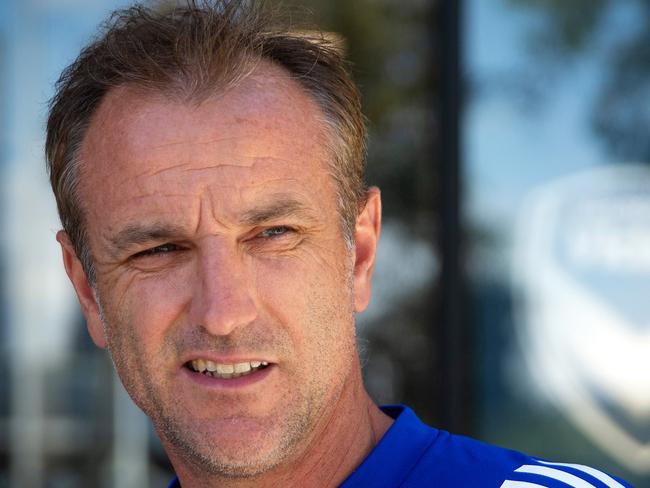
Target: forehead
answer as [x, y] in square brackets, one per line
[264, 135]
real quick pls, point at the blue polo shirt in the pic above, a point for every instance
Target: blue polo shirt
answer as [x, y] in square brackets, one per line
[412, 454]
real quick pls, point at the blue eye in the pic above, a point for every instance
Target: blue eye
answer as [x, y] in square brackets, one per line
[275, 231]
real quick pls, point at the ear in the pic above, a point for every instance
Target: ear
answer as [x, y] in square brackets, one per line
[366, 237]
[85, 292]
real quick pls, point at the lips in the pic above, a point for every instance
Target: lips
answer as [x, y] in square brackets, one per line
[224, 370]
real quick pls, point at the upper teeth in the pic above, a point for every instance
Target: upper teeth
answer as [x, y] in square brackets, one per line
[226, 370]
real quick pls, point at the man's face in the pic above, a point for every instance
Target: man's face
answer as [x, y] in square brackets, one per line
[217, 244]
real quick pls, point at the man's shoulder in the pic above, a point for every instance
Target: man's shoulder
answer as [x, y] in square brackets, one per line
[413, 454]
[459, 461]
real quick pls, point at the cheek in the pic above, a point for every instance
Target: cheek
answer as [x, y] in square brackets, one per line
[313, 300]
[144, 308]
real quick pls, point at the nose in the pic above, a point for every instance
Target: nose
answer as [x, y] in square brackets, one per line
[223, 299]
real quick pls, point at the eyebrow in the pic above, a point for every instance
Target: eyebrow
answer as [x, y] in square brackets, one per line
[135, 234]
[282, 208]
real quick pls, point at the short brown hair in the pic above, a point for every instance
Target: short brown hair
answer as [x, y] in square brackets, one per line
[190, 52]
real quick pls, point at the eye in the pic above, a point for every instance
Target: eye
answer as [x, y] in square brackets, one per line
[162, 249]
[276, 231]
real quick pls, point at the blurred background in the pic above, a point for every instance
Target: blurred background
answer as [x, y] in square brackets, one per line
[510, 139]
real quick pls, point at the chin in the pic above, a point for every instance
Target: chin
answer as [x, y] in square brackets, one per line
[235, 461]
[241, 467]
[231, 453]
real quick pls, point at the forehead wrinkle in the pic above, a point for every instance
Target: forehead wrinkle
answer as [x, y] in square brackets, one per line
[182, 167]
[265, 182]
[251, 184]
[256, 160]
[155, 194]
[188, 166]
[155, 172]
[196, 143]
[207, 212]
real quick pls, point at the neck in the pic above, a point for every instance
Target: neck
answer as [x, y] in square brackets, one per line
[343, 438]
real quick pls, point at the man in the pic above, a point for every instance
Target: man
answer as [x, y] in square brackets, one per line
[208, 170]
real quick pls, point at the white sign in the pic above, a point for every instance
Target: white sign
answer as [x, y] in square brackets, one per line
[582, 281]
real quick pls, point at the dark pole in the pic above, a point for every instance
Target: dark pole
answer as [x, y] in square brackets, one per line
[452, 341]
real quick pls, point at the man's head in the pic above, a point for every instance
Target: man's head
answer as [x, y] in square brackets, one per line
[189, 54]
[202, 162]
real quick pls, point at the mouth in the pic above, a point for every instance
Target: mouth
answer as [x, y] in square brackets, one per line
[225, 371]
